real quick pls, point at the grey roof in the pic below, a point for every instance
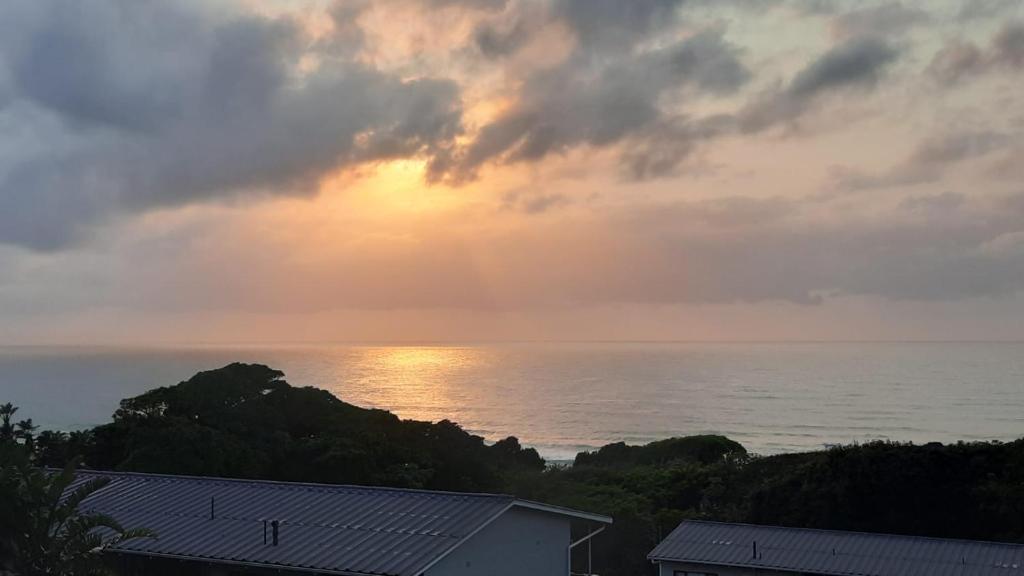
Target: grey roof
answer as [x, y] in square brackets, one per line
[323, 528]
[831, 552]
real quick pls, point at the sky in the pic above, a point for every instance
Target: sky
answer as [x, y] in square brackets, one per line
[247, 171]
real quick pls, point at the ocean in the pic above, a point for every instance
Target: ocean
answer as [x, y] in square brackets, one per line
[563, 398]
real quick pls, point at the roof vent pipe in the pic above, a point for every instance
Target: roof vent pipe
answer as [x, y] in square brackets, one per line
[211, 507]
[755, 550]
[273, 531]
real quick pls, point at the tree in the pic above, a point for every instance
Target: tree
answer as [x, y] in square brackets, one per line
[6, 428]
[42, 530]
[25, 431]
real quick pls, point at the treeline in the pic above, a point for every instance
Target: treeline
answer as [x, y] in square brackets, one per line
[246, 421]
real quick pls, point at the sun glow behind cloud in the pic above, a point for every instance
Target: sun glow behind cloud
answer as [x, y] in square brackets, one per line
[391, 189]
[417, 169]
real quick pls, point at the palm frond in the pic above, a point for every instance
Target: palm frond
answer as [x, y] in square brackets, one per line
[136, 533]
[92, 521]
[73, 500]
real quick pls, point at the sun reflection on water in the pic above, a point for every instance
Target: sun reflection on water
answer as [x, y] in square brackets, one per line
[416, 382]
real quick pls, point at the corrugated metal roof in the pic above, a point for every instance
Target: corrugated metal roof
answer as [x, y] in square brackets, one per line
[837, 553]
[325, 528]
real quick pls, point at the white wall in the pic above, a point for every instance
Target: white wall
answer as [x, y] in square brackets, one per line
[519, 543]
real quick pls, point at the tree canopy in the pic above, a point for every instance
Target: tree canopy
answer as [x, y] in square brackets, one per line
[245, 420]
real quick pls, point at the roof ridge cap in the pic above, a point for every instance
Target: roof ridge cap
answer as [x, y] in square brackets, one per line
[285, 484]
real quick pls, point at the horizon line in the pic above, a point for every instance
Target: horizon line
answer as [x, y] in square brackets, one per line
[479, 342]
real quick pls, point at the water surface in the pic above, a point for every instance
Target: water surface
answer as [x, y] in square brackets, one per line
[562, 398]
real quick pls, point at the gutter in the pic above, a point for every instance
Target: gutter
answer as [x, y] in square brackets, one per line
[568, 551]
[258, 565]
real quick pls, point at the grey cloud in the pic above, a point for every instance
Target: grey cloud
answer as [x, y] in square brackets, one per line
[1008, 46]
[958, 146]
[975, 9]
[908, 174]
[929, 162]
[614, 23]
[944, 202]
[887, 19]
[959, 60]
[348, 36]
[615, 90]
[739, 212]
[495, 42]
[816, 7]
[5, 89]
[477, 4]
[705, 61]
[1010, 166]
[601, 27]
[576, 104]
[155, 104]
[71, 59]
[772, 253]
[529, 202]
[855, 63]
[618, 99]
[657, 156]
[660, 151]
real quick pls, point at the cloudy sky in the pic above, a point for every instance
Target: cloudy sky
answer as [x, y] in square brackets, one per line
[180, 171]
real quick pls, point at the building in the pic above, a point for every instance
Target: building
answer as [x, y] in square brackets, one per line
[214, 526]
[719, 549]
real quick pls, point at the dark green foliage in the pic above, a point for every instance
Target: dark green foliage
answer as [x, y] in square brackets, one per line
[961, 490]
[42, 532]
[512, 455]
[6, 425]
[245, 421]
[206, 396]
[699, 449]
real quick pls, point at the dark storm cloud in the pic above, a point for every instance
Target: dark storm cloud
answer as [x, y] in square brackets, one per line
[959, 59]
[145, 104]
[857, 63]
[580, 104]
